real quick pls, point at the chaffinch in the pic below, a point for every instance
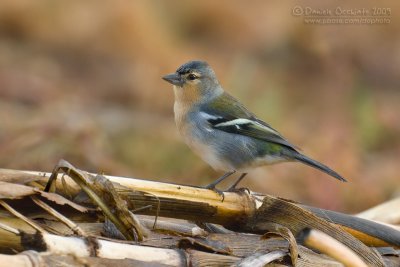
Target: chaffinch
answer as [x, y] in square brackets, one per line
[222, 131]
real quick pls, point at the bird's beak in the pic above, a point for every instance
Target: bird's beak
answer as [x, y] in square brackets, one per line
[173, 78]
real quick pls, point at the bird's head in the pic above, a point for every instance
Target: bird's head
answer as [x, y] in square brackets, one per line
[194, 80]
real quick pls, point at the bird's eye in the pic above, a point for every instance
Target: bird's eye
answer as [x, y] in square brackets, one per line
[192, 77]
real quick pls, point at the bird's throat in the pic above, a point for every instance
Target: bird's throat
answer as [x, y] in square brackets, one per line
[187, 95]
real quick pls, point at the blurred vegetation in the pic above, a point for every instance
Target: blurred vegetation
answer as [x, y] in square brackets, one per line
[81, 81]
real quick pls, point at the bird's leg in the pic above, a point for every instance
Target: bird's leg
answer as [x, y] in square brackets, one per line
[233, 187]
[220, 179]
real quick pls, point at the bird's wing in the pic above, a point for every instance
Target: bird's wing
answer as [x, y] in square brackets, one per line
[227, 114]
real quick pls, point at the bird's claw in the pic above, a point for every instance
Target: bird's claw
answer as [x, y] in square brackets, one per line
[234, 189]
[219, 192]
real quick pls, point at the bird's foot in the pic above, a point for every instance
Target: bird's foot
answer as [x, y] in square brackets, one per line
[213, 188]
[234, 189]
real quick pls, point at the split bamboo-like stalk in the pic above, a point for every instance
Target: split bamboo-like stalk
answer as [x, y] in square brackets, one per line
[240, 211]
[197, 204]
[89, 247]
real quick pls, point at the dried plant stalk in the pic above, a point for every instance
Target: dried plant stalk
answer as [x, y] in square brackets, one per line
[240, 212]
[22, 217]
[73, 226]
[326, 244]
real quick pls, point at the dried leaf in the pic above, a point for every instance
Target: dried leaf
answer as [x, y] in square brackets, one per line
[204, 245]
[102, 192]
[387, 212]
[61, 200]
[15, 191]
[275, 229]
[261, 259]
[369, 232]
[18, 177]
[296, 218]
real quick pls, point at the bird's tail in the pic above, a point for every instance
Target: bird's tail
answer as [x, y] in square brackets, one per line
[315, 164]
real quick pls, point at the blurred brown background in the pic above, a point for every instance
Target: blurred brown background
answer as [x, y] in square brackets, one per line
[80, 80]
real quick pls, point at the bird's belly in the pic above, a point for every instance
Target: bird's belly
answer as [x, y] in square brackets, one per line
[227, 156]
[225, 151]
[211, 156]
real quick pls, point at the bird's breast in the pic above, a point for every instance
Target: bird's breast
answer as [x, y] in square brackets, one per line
[197, 134]
[181, 114]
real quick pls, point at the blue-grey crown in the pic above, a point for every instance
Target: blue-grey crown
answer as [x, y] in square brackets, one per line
[192, 65]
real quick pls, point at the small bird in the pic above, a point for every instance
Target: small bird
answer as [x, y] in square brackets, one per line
[222, 131]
